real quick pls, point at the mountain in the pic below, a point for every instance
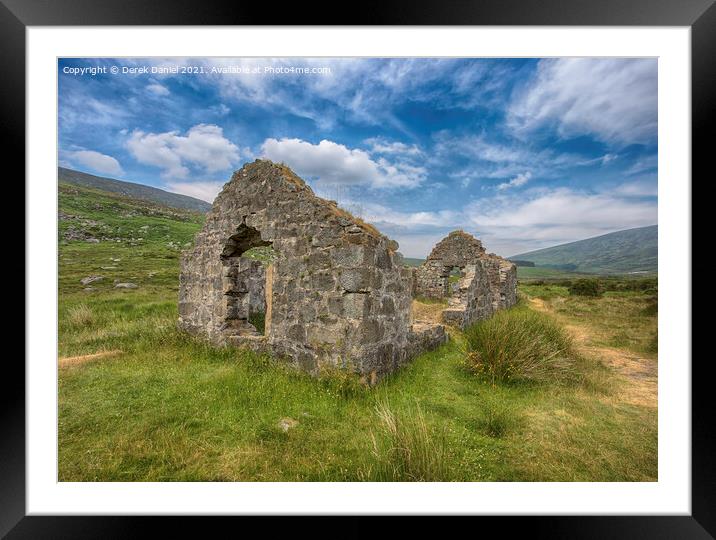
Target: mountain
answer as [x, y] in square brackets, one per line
[132, 190]
[622, 252]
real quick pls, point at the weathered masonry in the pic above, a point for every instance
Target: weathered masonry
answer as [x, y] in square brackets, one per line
[336, 294]
[484, 281]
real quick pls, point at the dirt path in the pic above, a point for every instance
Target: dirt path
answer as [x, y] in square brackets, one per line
[640, 373]
[75, 360]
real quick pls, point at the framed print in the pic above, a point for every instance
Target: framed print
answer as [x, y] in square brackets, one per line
[429, 261]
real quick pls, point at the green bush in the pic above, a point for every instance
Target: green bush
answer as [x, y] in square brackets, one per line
[520, 344]
[585, 287]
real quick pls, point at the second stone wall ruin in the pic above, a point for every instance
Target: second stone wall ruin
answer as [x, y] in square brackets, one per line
[486, 284]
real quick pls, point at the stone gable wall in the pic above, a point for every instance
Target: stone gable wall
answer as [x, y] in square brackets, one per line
[487, 283]
[337, 293]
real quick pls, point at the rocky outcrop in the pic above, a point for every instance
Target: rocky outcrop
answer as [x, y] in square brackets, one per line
[337, 293]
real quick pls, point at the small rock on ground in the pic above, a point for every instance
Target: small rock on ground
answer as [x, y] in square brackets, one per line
[91, 279]
[126, 286]
[287, 423]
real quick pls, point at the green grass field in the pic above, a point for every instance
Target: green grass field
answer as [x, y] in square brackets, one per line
[166, 407]
[622, 319]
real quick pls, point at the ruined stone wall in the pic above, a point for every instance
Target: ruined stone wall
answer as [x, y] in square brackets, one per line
[487, 282]
[458, 249]
[492, 268]
[472, 301]
[337, 293]
[508, 284]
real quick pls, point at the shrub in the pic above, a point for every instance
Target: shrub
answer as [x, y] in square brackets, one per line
[585, 287]
[408, 450]
[520, 344]
[80, 315]
[652, 307]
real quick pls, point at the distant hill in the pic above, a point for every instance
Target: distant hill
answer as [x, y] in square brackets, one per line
[132, 190]
[411, 261]
[622, 252]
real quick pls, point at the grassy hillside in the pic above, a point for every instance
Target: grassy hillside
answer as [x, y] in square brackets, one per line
[131, 189]
[153, 404]
[622, 252]
[119, 238]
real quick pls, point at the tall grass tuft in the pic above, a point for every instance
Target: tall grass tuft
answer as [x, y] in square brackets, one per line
[80, 316]
[498, 417]
[520, 344]
[407, 450]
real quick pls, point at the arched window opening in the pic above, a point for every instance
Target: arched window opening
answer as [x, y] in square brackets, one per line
[247, 260]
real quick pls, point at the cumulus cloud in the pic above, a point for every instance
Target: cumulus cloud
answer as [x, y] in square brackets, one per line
[517, 181]
[332, 163]
[96, 162]
[203, 146]
[613, 99]
[206, 191]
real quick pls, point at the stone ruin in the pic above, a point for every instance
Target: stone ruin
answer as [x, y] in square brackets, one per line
[336, 295]
[484, 282]
[335, 292]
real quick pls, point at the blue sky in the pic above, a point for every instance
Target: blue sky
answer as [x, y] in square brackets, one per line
[523, 153]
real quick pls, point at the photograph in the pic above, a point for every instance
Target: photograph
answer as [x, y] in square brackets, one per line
[357, 269]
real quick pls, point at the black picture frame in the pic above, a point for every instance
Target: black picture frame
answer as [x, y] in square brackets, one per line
[699, 15]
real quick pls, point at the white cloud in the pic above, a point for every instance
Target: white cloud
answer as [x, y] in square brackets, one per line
[77, 108]
[606, 158]
[332, 163]
[511, 223]
[643, 164]
[157, 89]
[220, 109]
[551, 217]
[379, 214]
[206, 191]
[602, 160]
[379, 145]
[363, 89]
[96, 161]
[517, 181]
[489, 159]
[639, 188]
[614, 99]
[203, 146]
